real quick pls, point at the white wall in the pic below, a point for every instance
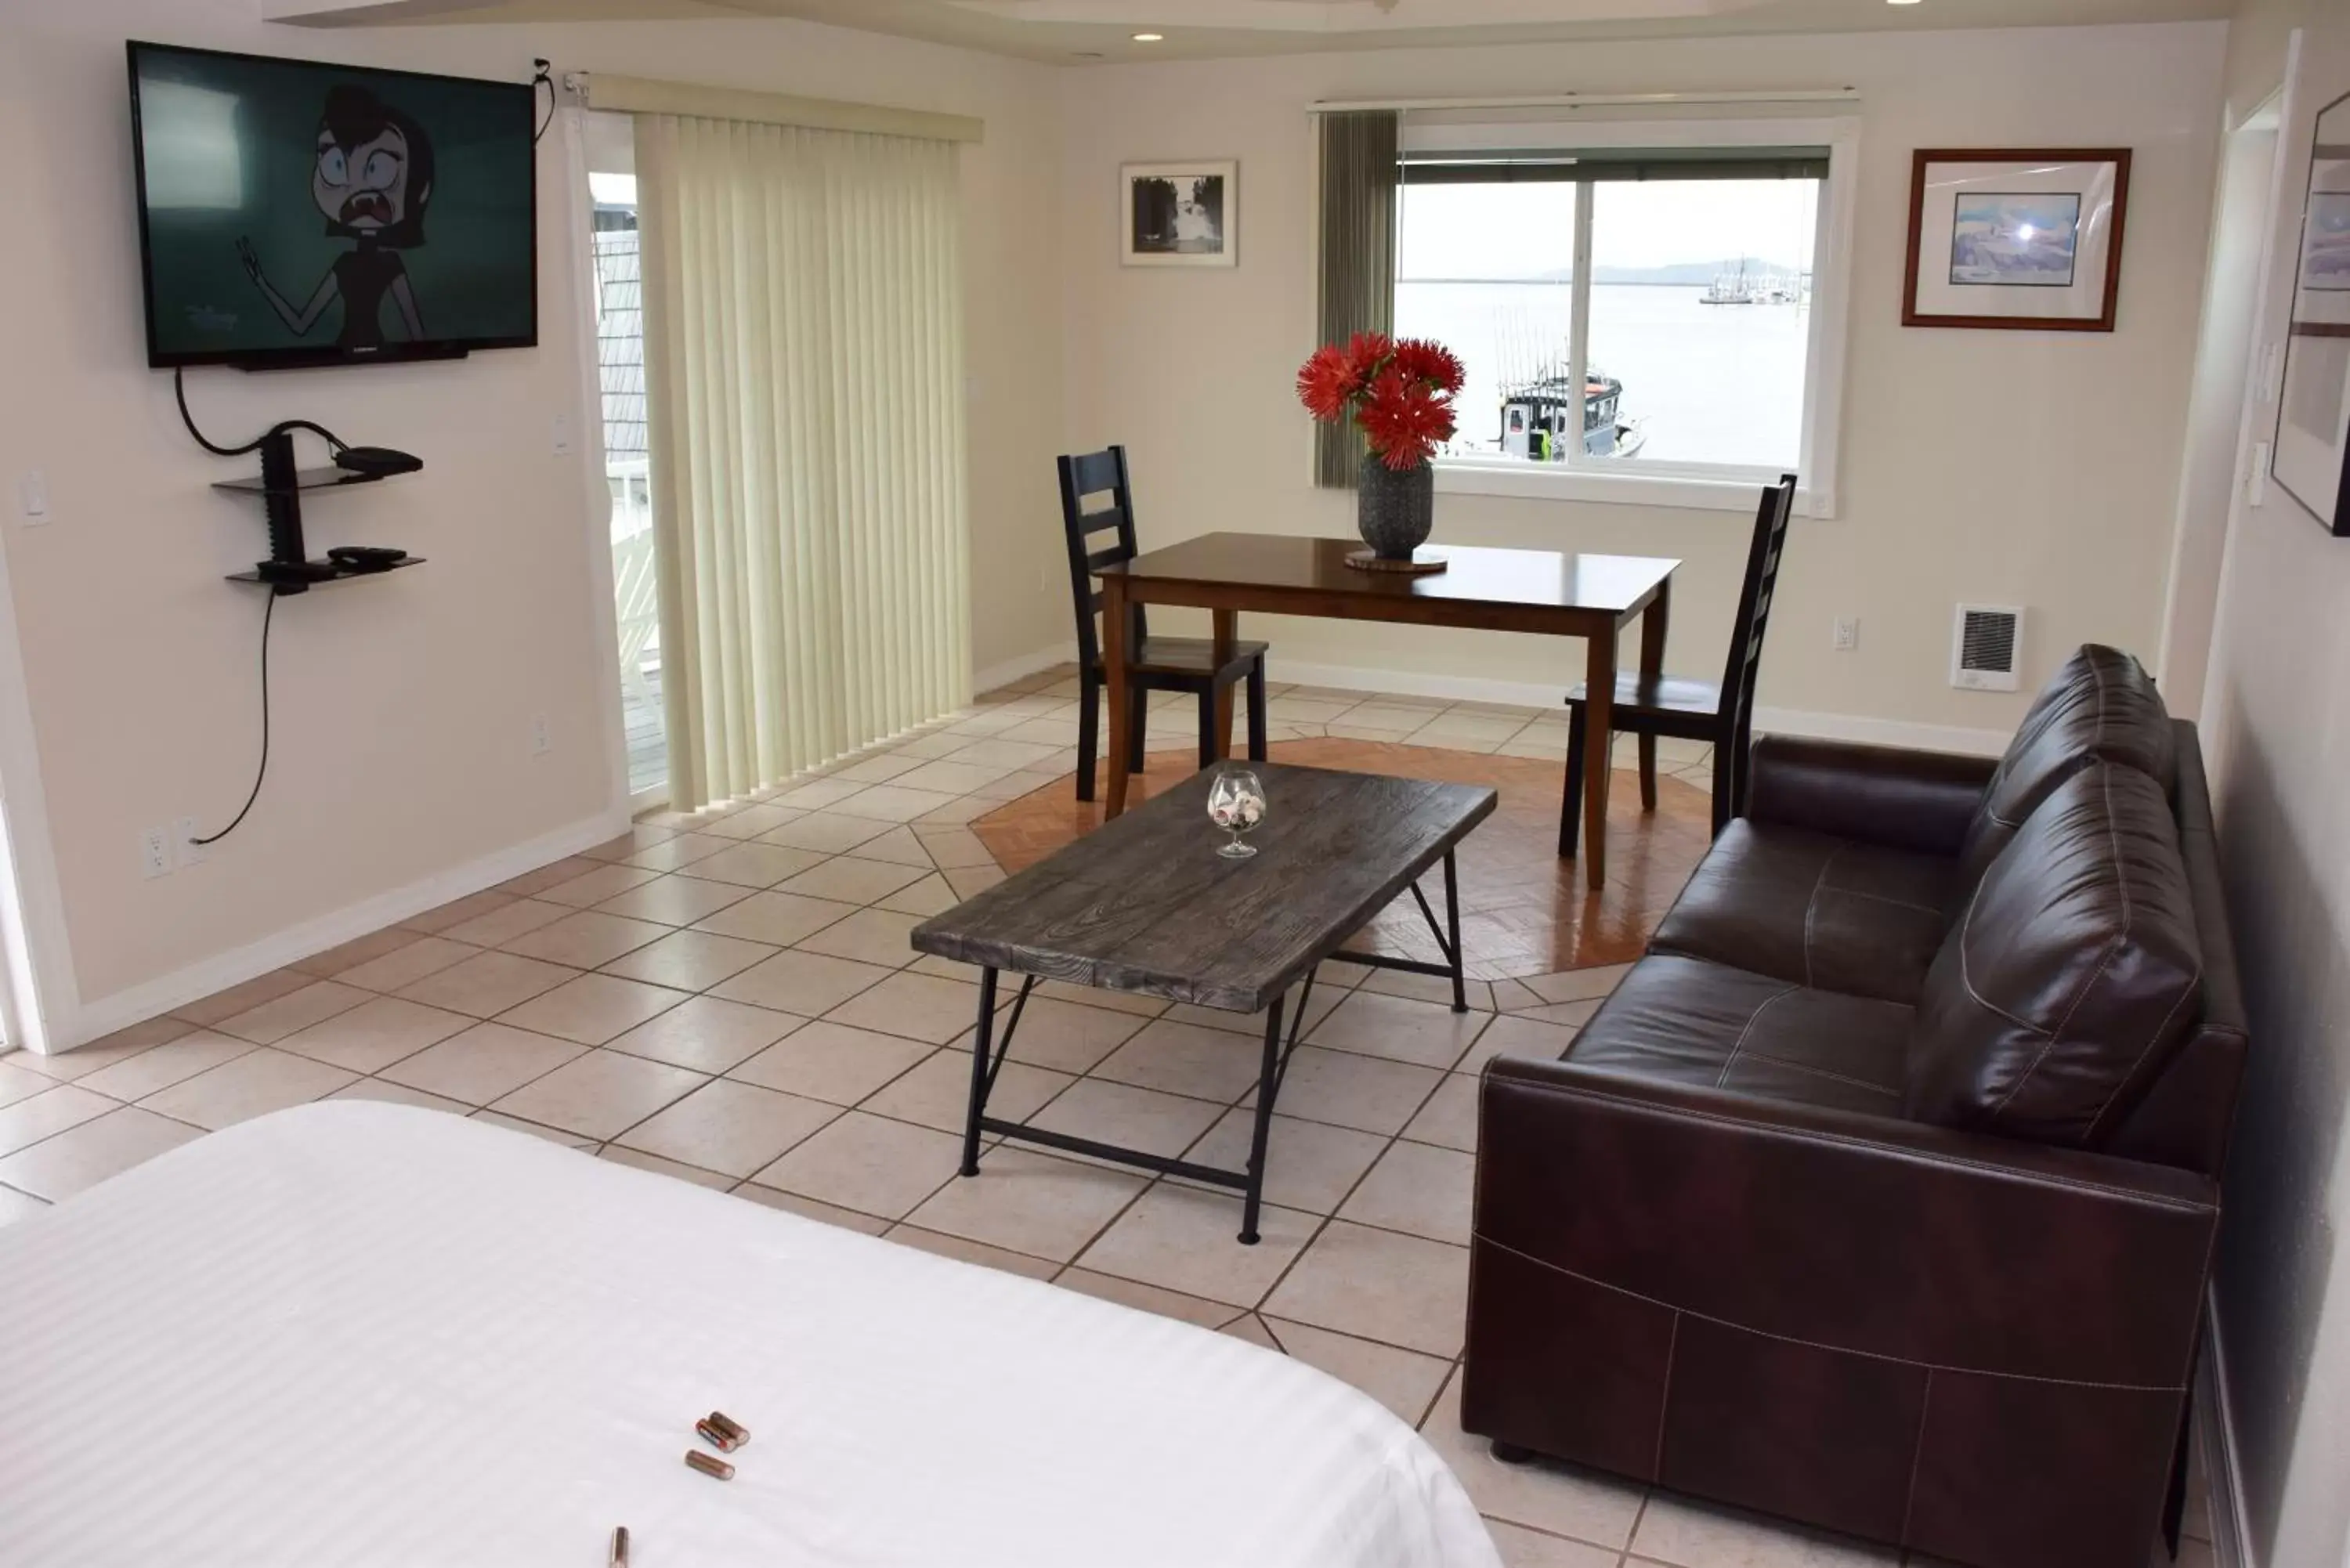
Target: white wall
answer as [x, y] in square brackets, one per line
[2277, 732]
[2001, 467]
[403, 705]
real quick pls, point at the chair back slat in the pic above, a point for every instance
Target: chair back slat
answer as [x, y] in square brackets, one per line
[1738, 681]
[1096, 471]
[1088, 474]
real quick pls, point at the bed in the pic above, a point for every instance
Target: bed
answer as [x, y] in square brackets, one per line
[364, 1334]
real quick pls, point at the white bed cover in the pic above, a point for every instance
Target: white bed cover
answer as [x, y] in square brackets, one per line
[363, 1333]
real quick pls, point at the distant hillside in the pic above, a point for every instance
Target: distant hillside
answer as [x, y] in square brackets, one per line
[1698, 274]
[1692, 274]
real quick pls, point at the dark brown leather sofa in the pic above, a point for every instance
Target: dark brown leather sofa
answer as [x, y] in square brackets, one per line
[1881, 1194]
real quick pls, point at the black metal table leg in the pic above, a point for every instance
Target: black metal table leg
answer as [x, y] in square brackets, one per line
[979, 1075]
[1452, 922]
[1268, 1085]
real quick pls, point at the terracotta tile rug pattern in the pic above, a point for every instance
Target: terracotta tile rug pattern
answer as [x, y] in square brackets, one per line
[728, 998]
[1524, 912]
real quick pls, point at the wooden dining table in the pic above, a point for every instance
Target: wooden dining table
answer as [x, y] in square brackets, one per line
[1548, 592]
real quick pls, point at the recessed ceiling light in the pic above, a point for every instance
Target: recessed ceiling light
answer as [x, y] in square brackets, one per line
[1162, 37]
[1901, 2]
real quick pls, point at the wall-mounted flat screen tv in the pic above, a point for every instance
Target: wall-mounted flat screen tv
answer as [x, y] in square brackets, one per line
[294, 213]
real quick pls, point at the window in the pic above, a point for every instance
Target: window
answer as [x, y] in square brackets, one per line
[1646, 312]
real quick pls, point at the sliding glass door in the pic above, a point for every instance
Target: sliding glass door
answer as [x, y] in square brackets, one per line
[620, 363]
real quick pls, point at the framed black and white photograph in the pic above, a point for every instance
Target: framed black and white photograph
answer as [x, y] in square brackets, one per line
[2016, 238]
[1180, 214]
[2313, 437]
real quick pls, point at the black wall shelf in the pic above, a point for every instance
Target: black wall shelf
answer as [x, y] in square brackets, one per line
[289, 569]
[306, 478]
[341, 574]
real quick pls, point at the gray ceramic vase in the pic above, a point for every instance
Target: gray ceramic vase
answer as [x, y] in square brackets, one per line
[1396, 510]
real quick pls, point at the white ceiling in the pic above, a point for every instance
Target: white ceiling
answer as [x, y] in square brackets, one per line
[1087, 31]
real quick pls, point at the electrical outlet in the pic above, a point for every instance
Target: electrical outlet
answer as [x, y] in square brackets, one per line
[539, 742]
[155, 852]
[183, 842]
[1846, 634]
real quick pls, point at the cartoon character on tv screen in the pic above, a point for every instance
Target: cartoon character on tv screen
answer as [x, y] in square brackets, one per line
[372, 177]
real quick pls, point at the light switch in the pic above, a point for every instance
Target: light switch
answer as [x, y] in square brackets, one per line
[33, 494]
[563, 435]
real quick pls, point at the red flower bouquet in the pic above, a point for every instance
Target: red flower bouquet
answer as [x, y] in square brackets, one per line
[1399, 394]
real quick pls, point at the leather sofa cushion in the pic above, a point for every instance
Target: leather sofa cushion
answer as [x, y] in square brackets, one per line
[1814, 910]
[2071, 977]
[1684, 1020]
[2102, 706]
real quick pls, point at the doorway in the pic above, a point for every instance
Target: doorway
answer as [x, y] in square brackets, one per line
[2211, 472]
[628, 473]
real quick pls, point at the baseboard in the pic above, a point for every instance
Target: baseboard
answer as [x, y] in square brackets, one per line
[1020, 668]
[2215, 1429]
[95, 1020]
[1549, 694]
[1414, 683]
[1877, 731]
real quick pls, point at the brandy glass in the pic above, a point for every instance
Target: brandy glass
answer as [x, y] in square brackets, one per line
[1236, 805]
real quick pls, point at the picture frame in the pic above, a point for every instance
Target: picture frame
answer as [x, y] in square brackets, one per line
[1180, 214]
[2020, 239]
[2310, 458]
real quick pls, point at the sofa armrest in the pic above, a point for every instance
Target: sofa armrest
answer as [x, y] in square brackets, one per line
[1880, 795]
[1870, 1235]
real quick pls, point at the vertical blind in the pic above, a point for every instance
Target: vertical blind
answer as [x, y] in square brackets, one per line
[1358, 236]
[804, 373]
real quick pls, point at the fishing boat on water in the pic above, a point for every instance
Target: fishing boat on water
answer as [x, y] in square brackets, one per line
[1537, 414]
[1741, 287]
[1730, 288]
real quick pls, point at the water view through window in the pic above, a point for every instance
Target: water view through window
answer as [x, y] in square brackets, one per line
[1700, 319]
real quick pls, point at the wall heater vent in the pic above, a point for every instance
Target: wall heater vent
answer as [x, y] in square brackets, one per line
[1986, 648]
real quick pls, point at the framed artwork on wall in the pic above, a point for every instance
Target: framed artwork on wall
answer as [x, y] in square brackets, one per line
[2021, 238]
[1180, 214]
[2313, 437]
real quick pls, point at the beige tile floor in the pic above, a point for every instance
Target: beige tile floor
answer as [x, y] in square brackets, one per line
[728, 998]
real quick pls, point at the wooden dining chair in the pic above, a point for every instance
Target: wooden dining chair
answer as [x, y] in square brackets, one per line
[1723, 716]
[1154, 663]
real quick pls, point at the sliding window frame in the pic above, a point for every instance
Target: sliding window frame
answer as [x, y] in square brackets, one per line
[1695, 486]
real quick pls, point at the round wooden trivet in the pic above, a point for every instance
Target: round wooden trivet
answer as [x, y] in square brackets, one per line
[1423, 561]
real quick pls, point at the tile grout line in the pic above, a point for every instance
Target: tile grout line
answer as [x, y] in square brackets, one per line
[35, 1197]
[919, 827]
[796, 1143]
[584, 1048]
[376, 1076]
[1354, 1187]
[1158, 1179]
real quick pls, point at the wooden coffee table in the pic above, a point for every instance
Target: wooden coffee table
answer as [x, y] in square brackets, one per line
[1145, 904]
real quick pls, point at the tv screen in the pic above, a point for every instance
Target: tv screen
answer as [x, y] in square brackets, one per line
[292, 212]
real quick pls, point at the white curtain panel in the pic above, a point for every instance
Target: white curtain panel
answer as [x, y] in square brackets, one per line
[804, 371]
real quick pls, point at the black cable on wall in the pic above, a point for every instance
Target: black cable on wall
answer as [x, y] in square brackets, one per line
[268, 613]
